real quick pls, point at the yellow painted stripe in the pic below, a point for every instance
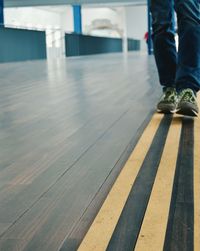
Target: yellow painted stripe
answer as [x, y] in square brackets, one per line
[197, 183]
[152, 233]
[99, 234]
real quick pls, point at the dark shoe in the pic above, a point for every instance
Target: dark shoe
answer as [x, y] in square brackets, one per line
[168, 101]
[187, 104]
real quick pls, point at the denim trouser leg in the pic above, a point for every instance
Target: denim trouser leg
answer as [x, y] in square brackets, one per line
[184, 73]
[164, 41]
[188, 68]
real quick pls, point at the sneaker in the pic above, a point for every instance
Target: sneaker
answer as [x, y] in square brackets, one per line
[168, 101]
[187, 104]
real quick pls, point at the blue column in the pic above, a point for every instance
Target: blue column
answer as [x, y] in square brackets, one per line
[150, 43]
[77, 19]
[1, 12]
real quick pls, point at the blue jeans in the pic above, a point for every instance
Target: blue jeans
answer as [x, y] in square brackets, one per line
[179, 69]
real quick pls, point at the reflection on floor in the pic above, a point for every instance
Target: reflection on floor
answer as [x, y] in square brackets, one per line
[66, 130]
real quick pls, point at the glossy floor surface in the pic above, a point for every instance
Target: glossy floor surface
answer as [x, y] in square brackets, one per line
[66, 129]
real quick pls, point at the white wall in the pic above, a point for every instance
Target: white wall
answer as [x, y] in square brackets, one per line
[136, 19]
[62, 17]
[31, 17]
[90, 14]
[66, 19]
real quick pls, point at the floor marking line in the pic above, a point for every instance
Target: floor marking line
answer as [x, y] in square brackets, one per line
[129, 224]
[104, 224]
[197, 182]
[152, 233]
[180, 226]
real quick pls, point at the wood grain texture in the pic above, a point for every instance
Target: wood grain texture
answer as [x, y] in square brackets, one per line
[63, 127]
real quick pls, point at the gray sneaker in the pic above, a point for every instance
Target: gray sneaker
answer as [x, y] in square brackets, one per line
[168, 101]
[187, 104]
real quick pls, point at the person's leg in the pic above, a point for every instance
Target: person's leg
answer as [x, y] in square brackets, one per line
[165, 52]
[164, 40]
[188, 68]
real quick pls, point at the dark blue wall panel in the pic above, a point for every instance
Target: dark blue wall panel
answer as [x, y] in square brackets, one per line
[86, 45]
[77, 45]
[1, 12]
[20, 45]
[133, 45]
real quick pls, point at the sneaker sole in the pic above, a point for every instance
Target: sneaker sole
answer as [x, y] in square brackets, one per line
[166, 108]
[166, 111]
[187, 112]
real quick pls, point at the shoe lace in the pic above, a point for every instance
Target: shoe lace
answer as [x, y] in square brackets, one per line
[169, 95]
[187, 95]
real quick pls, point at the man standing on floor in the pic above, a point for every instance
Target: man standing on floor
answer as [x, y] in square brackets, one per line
[179, 73]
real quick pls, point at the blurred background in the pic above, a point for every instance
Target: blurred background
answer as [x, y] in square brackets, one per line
[72, 29]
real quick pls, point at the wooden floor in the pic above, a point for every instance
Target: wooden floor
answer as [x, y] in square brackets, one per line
[66, 130]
